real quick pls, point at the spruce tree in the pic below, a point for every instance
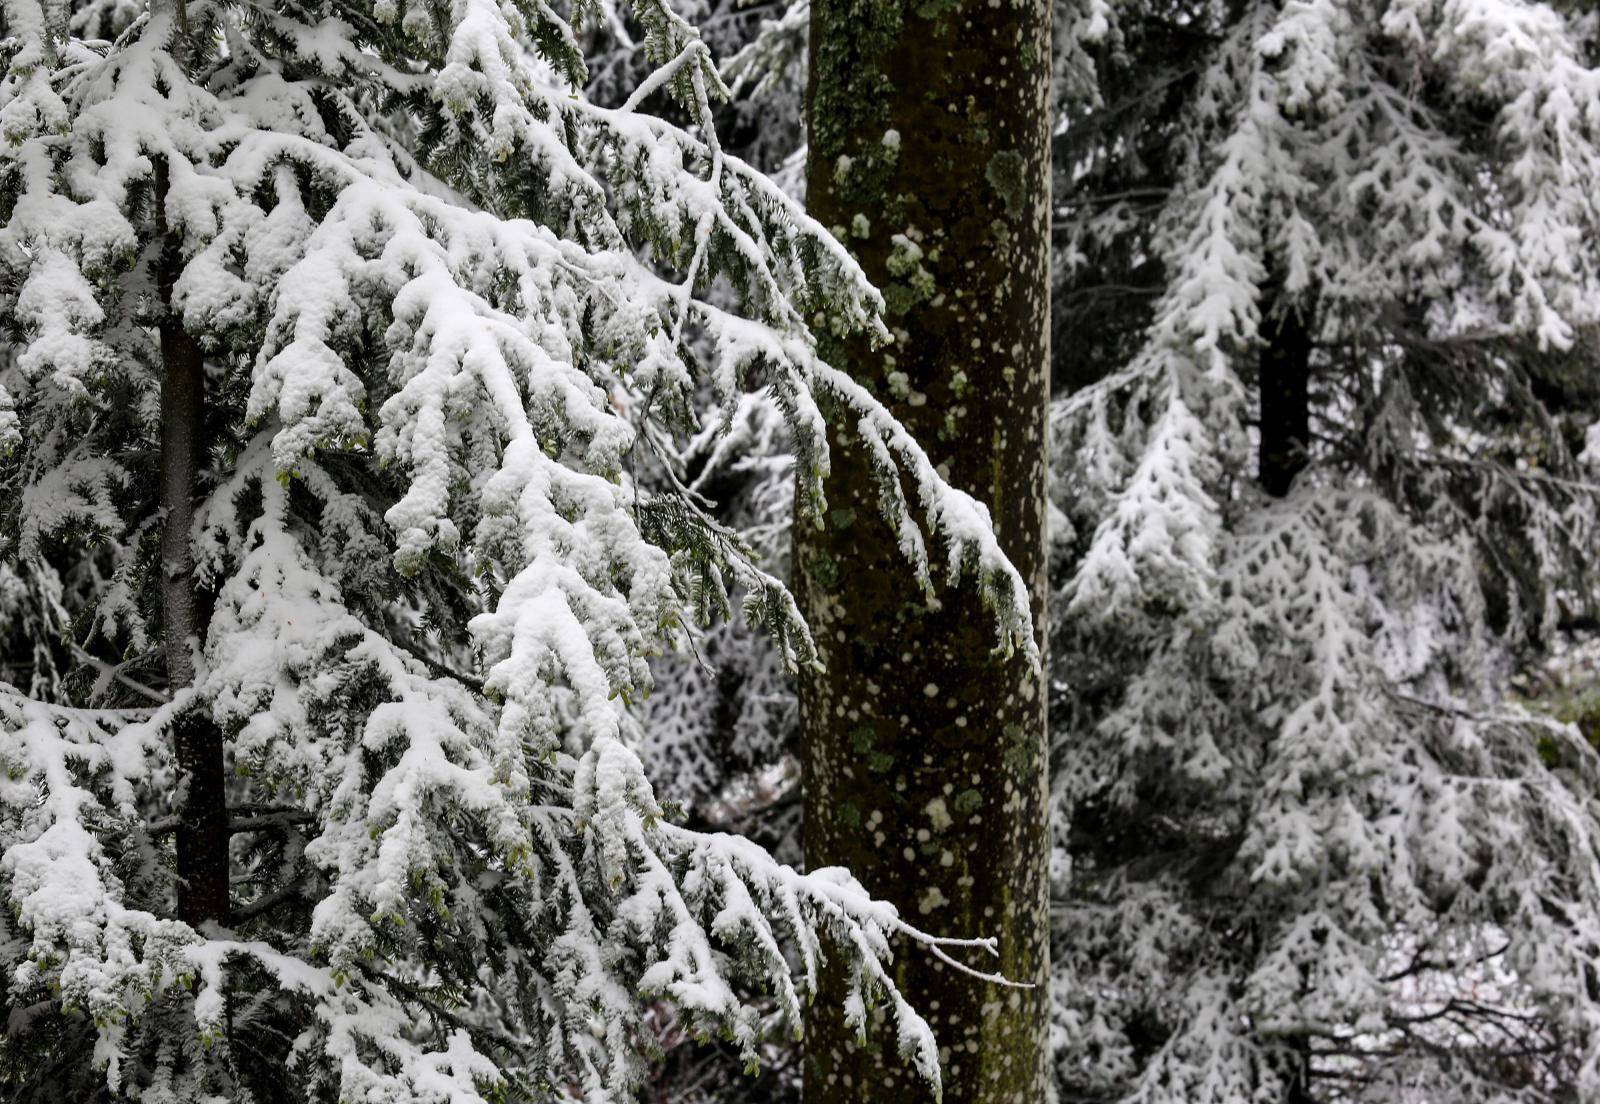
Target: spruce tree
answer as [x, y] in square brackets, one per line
[339, 339]
[1331, 500]
[923, 749]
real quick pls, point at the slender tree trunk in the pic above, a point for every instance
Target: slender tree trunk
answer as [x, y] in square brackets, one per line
[1285, 377]
[1300, 1088]
[923, 753]
[202, 836]
[1285, 397]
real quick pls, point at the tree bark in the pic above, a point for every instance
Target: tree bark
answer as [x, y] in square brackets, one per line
[1285, 379]
[202, 836]
[923, 753]
[1285, 367]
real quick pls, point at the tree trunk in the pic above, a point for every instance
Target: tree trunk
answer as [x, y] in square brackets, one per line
[1285, 399]
[202, 837]
[1285, 377]
[923, 753]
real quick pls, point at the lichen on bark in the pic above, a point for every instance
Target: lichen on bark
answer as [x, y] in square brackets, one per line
[923, 750]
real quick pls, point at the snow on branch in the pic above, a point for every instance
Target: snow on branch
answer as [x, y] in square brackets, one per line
[447, 302]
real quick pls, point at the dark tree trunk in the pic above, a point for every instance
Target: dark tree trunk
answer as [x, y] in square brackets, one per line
[1300, 1087]
[1285, 368]
[923, 753]
[1285, 400]
[202, 837]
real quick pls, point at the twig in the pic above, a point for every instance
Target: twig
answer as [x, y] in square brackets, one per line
[113, 671]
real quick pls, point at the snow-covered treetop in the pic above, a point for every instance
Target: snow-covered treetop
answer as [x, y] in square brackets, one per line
[449, 305]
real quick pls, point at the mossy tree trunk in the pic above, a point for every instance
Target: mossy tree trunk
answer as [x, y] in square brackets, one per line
[924, 753]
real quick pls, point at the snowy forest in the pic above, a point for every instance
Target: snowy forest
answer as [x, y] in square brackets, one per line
[844, 551]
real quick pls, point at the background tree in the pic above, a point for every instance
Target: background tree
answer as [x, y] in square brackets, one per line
[1315, 520]
[394, 314]
[923, 750]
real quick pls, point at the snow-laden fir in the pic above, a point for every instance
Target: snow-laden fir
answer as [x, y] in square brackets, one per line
[1310, 521]
[443, 307]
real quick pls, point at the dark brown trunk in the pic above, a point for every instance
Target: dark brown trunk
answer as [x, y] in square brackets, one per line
[1285, 396]
[923, 753]
[1285, 368]
[1300, 1087]
[202, 837]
